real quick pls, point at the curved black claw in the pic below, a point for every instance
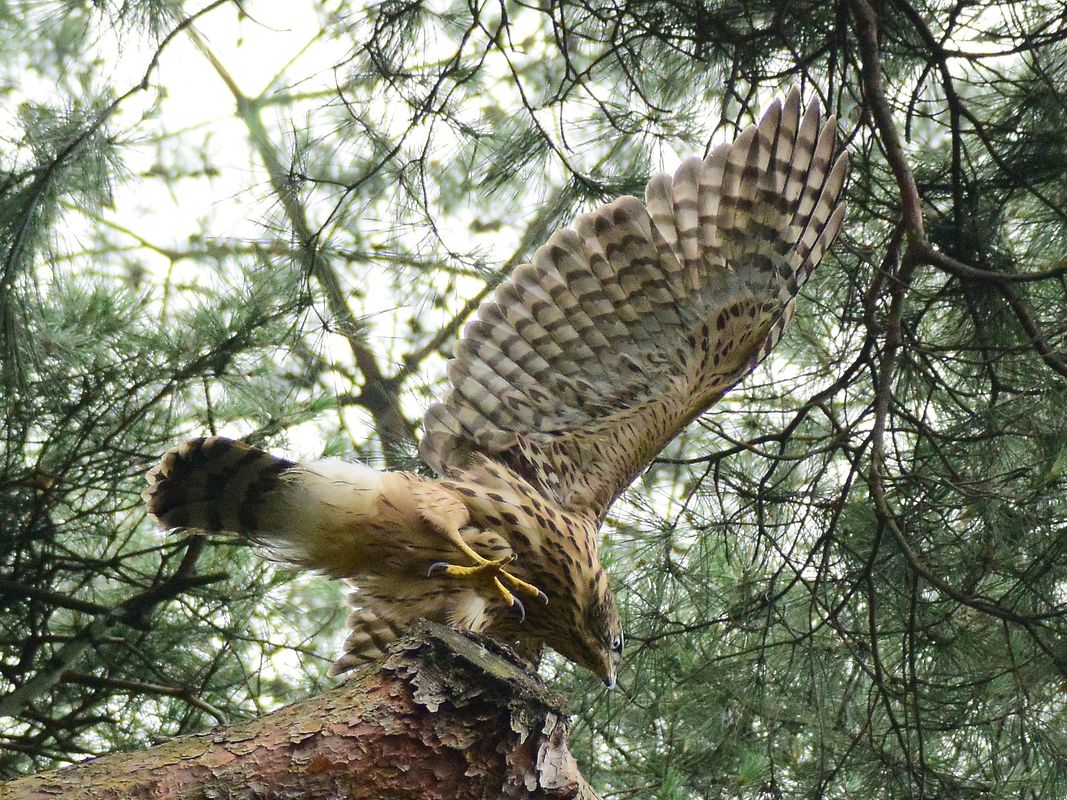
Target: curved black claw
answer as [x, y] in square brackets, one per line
[519, 609]
[542, 597]
[438, 566]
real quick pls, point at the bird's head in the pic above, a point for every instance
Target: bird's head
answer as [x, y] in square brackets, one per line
[597, 639]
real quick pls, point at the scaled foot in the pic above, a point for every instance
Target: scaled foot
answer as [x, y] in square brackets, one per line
[493, 576]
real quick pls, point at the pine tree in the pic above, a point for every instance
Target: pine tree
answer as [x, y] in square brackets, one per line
[845, 580]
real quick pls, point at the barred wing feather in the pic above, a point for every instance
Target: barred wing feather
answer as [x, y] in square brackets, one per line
[589, 359]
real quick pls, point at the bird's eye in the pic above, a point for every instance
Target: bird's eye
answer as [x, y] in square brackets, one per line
[616, 644]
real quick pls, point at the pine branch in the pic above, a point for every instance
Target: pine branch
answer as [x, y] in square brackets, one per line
[133, 612]
[380, 394]
[444, 715]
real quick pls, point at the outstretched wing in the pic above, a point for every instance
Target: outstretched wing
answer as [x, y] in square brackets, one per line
[588, 360]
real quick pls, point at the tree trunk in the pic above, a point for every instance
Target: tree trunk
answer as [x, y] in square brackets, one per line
[443, 715]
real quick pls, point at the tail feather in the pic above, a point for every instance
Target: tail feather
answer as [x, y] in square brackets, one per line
[372, 626]
[382, 611]
[321, 515]
[215, 484]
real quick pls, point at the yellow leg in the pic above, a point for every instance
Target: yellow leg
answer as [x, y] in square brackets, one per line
[489, 572]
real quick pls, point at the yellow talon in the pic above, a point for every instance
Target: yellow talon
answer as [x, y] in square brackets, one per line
[486, 571]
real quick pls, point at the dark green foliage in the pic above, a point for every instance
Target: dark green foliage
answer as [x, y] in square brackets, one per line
[846, 580]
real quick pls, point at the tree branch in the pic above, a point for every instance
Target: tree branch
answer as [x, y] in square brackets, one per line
[443, 715]
[867, 37]
[379, 395]
[133, 612]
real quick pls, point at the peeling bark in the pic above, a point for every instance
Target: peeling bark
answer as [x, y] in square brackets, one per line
[444, 715]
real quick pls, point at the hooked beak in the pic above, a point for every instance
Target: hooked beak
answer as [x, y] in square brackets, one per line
[609, 680]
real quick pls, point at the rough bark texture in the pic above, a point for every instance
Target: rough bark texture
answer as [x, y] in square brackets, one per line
[444, 715]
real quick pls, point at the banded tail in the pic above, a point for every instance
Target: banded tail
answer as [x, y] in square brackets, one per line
[306, 514]
[216, 484]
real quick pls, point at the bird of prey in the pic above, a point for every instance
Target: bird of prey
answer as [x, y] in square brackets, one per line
[577, 371]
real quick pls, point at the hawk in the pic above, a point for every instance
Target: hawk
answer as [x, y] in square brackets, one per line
[575, 374]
